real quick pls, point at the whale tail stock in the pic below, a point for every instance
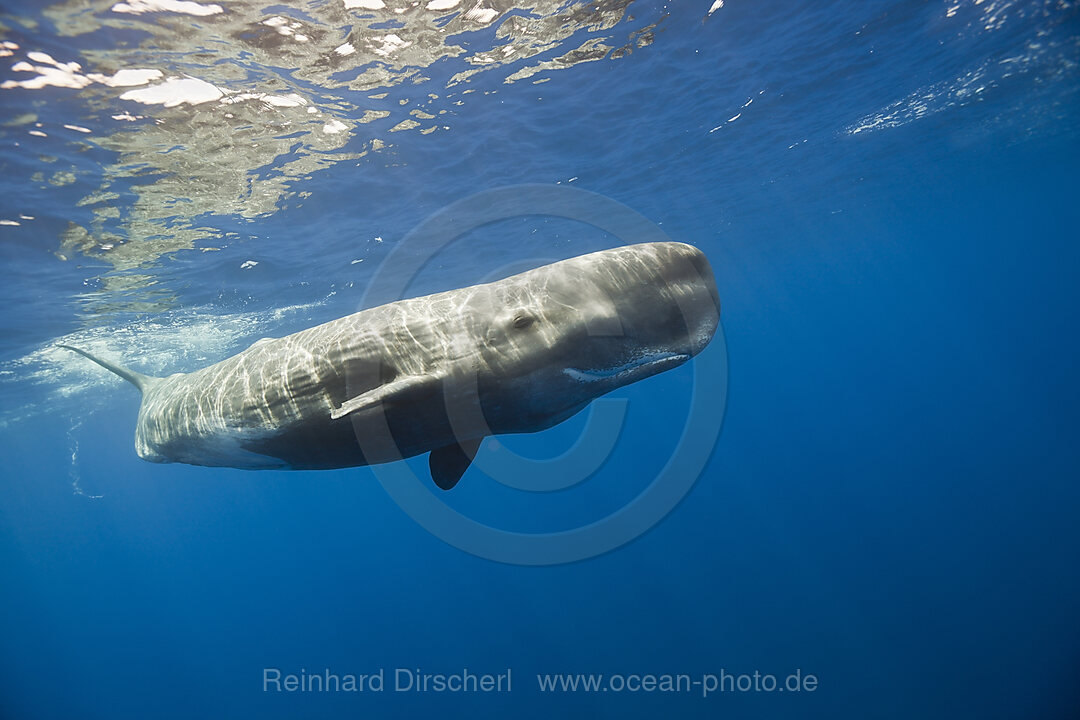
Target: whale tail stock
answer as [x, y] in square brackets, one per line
[137, 379]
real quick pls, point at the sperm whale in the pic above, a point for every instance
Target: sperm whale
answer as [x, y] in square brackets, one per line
[437, 373]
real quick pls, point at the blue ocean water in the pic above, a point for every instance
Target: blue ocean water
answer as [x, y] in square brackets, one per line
[887, 195]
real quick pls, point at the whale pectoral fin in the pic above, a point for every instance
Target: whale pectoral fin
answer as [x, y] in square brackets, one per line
[373, 397]
[450, 462]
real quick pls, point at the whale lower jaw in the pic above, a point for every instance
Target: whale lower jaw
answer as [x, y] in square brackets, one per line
[639, 367]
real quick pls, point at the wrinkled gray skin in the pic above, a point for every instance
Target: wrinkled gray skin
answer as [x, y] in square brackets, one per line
[437, 373]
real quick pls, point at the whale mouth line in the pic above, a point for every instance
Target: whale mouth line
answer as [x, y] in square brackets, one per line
[653, 362]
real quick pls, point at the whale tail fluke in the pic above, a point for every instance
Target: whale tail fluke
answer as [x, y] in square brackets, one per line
[137, 379]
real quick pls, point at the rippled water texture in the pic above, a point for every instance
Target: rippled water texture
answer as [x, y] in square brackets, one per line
[222, 109]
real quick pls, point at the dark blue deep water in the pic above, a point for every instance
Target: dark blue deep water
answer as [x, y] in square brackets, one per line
[887, 193]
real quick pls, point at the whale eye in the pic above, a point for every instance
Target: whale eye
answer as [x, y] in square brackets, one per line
[522, 321]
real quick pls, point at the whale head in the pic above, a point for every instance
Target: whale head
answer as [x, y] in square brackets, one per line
[566, 333]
